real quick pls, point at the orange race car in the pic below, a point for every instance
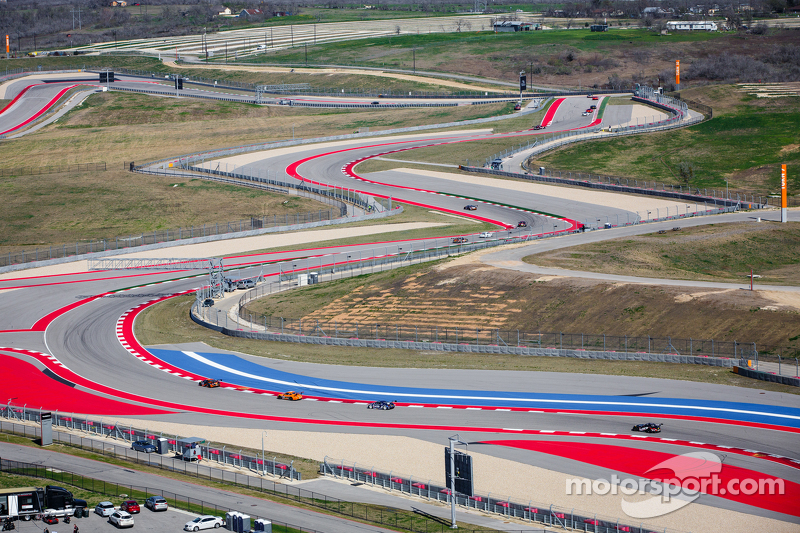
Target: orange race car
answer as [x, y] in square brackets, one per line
[291, 395]
[210, 383]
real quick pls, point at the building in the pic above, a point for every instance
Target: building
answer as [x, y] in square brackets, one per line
[691, 25]
[515, 25]
[247, 13]
[222, 11]
[599, 27]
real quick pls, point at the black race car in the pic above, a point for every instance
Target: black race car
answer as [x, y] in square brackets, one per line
[649, 427]
[383, 405]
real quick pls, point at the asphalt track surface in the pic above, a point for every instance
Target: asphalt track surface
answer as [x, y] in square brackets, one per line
[64, 316]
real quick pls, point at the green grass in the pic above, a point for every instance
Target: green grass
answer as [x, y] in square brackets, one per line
[745, 144]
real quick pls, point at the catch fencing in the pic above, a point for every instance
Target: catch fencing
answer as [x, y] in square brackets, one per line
[113, 490]
[53, 169]
[219, 455]
[164, 236]
[375, 514]
[530, 511]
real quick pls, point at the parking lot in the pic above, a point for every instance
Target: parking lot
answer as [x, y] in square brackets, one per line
[147, 520]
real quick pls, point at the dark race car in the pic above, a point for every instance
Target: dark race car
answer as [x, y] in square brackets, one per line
[383, 405]
[649, 427]
[210, 383]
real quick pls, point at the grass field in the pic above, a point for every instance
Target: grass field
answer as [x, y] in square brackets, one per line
[169, 323]
[748, 164]
[120, 127]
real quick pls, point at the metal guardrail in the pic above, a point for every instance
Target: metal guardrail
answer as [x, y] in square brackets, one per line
[531, 511]
[135, 241]
[113, 490]
[220, 455]
[363, 512]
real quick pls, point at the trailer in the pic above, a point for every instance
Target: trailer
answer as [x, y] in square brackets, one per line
[26, 503]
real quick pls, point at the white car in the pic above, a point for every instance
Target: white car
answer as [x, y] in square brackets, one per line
[203, 522]
[486, 235]
[585, 114]
[121, 519]
[104, 508]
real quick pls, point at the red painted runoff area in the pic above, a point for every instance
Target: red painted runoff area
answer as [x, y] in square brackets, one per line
[30, 386]
[641, 463]
[551, 112]
[42, 110]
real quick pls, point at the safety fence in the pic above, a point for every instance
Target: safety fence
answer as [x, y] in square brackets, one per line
[739, 197]
[531, 511]
[173, 235]
[376, 514]
[211, 455]
[137, 492]
[53, 169]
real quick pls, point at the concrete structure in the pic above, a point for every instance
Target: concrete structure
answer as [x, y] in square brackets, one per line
[515, 25]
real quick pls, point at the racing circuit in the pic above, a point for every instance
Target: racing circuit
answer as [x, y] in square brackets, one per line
[74, 343]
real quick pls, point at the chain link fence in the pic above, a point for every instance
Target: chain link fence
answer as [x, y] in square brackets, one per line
[376, 514]
[53, 169]
[258, 222]
[531, 511]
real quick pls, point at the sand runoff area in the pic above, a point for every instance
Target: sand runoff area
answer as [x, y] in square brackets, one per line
[504, 478]
[607, 199]
[234, 246]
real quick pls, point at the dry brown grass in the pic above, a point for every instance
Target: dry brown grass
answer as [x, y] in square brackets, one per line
[169, 323]
[713, 253]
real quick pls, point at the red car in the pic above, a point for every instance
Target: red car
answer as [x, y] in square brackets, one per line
[130, 506]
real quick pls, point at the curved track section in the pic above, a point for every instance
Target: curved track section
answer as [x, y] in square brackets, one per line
[78, 327]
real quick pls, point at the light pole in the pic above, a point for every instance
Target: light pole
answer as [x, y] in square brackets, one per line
[453, 441]
[727, 191]
[263, 463]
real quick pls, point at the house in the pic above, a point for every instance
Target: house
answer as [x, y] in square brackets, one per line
[247, 13]
[514, 25]
[691, 25]
[222, 10]
[655, 12]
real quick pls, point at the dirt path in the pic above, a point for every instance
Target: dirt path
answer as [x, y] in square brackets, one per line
[355, 72]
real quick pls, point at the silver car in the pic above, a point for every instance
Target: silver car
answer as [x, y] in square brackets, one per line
[156, 503]
[104, 508]
[121, 519]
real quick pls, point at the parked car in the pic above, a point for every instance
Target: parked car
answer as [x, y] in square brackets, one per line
[486, 235]
[144, 446]
[104, 508]
[130, 506]
[208, 302]
[522, 224]
[291, 395]
[517, 107]
[382, 405]
[460, 240]
[246, 284]
[203, 522]
[156, 503]
[471, 207]
[121, 519]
